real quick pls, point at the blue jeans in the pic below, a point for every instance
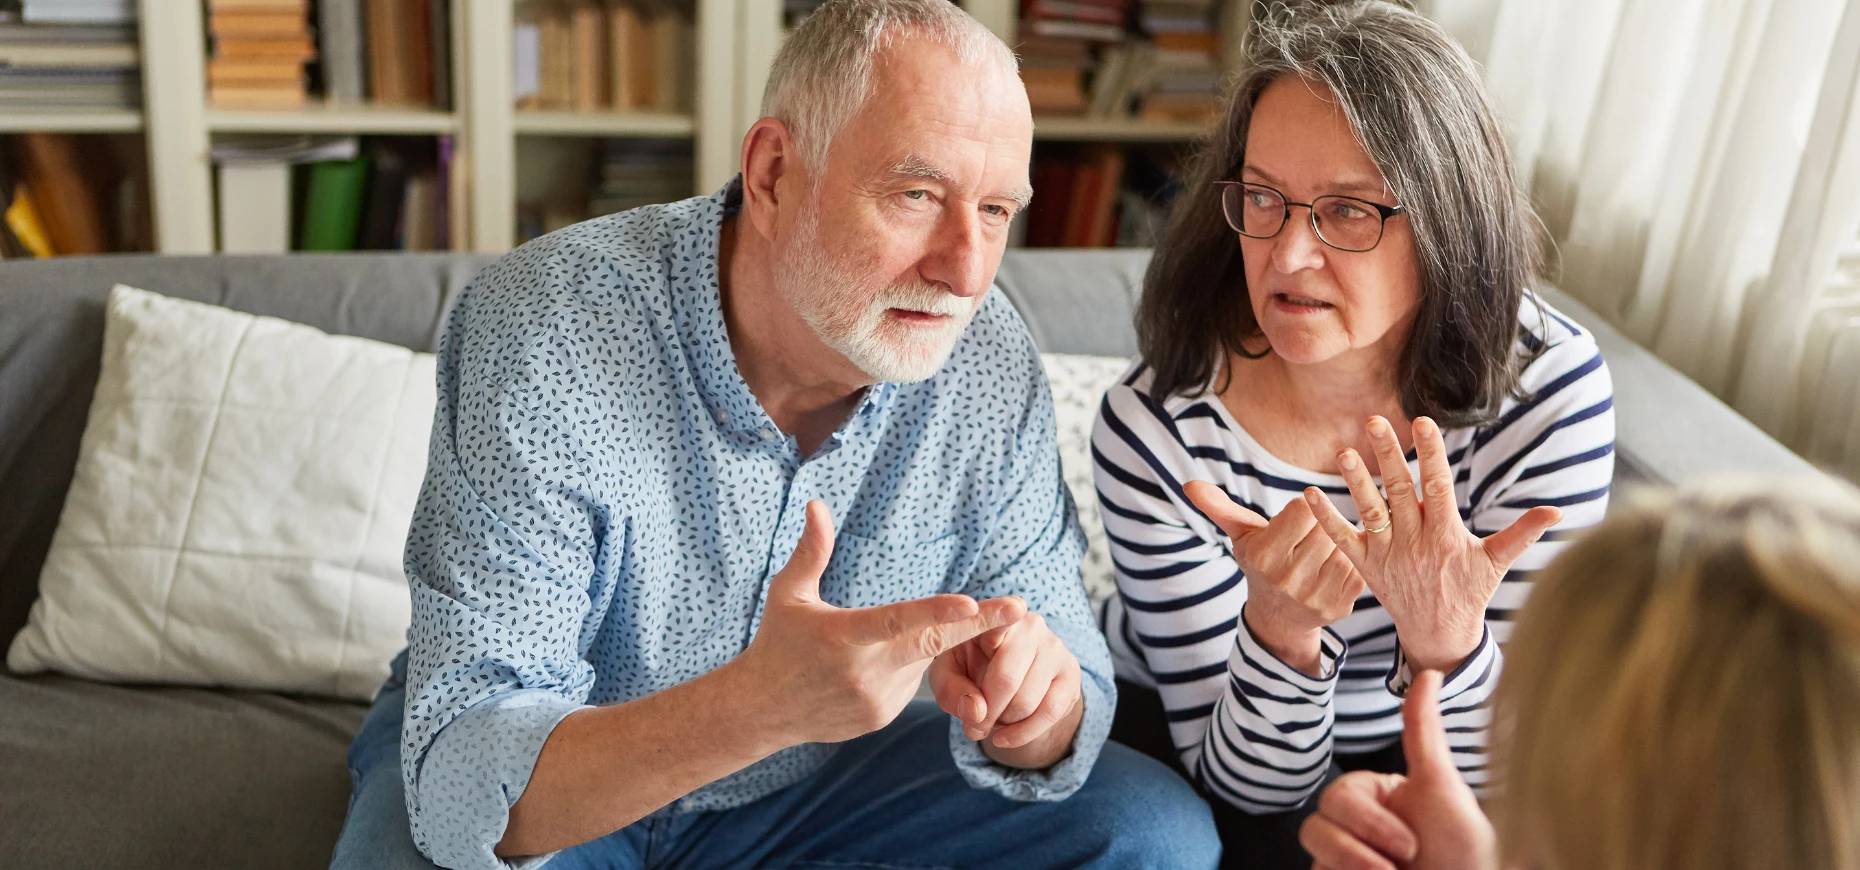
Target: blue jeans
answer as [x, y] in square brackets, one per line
[886, 801]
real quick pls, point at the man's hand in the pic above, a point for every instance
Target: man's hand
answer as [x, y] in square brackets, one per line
[828, 674]
[1427, 820]
[1016, 688]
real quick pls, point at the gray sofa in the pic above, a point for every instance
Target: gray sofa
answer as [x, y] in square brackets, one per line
[95, 775]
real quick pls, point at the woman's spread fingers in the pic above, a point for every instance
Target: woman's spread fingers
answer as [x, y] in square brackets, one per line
[1348, 540]
[1506, 545]
[1343, 584]
[1233, 519]
[1396, 481]
[1436, 478]
[1369, 503]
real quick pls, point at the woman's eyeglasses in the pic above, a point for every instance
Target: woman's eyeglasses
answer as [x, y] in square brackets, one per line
[1342, 222]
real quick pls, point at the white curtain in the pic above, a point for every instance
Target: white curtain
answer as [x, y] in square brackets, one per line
[1697, 163]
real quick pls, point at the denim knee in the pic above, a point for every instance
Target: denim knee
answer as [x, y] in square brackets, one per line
[1149, 815]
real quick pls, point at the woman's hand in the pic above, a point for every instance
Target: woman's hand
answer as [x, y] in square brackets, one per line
[1297, 580]
[1433, 576]
[1427, 820]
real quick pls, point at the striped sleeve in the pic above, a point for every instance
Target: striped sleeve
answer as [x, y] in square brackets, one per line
[1554, 447]
[1248, 727]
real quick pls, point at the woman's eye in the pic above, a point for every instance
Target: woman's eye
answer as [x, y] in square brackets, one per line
[1349, 212]
[1258, 200]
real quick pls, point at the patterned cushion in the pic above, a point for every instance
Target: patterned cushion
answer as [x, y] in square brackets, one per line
[1079, 383]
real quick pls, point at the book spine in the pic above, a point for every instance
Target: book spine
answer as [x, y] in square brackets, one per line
[342, 50]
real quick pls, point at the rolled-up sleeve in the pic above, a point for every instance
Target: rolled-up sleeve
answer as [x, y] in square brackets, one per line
[501, 559]
[1034, 552]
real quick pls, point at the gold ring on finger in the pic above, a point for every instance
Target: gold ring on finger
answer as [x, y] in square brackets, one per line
[1381, 528]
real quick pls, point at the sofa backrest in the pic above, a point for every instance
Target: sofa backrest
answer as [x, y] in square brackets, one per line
[1074, 301]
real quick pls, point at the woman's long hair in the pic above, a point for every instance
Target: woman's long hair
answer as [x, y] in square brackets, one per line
[1416, 104]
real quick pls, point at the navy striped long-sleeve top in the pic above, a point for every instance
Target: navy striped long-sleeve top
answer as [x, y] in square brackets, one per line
[1249, 728]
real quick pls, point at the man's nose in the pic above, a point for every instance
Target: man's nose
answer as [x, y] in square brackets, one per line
[958, 255]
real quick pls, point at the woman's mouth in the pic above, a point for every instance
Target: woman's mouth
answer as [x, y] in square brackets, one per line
[1298, 305]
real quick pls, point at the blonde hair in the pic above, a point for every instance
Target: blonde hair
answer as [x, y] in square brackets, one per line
[1684, 688]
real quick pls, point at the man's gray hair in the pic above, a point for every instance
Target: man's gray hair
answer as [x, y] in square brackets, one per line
[823, 74]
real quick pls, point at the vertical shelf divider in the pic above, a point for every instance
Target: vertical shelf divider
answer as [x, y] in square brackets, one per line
[714, 112]
[488, 146]
[174, 107]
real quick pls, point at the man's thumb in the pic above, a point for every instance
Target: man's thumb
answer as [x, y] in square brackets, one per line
[1423, 734]
[1214, 501]
[800, 578]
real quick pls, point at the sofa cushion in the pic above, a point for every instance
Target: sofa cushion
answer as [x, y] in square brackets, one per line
[239, 509]
[51, 338]
[130, 778]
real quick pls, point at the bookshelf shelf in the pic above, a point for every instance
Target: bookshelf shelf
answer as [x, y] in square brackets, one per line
[617, 124]
[1115, 130]
[333, 119]
[71, 122]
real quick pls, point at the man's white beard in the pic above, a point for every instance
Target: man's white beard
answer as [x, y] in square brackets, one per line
[834, 300]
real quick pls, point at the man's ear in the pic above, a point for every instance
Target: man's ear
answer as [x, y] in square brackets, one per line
[771, 167]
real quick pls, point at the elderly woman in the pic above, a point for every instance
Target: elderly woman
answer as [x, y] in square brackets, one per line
[1684, 692]
[1342, 300]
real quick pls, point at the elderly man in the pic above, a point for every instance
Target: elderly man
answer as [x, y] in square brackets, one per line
[638, 640]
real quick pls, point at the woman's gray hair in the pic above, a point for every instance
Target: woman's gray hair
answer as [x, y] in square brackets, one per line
[823, 73]
[1416, 104]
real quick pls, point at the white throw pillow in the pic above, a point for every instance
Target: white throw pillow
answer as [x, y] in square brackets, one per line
[1079, 384]
[242, 497]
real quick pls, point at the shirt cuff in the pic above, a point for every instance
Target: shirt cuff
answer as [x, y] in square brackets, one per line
[1054, 783]
[459, 796]
[1261, 661]
[1475, 671]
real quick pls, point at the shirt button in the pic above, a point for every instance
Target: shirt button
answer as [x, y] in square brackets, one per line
[768, 434]
[723, 416]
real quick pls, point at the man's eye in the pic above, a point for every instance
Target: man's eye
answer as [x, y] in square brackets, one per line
[993, 209]
[917, 194]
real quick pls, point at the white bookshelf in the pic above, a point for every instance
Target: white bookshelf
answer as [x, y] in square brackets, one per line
[736, 41]
[664, 125]
[319, 118]
[1056, 129]
[124, 121]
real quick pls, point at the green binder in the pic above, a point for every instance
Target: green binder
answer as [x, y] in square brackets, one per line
[333, 205]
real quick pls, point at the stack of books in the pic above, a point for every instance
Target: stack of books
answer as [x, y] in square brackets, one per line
[1098, 195]
[77, 11]
[1062, 43]
[62, 194]
[620, 55]
[634, 172]
[68, 56]
[338, 193]
[393, 52]
[1183, 80]
[259, 48]
[795, 10]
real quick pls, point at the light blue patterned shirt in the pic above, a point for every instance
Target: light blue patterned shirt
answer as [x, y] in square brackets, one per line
[605, 503]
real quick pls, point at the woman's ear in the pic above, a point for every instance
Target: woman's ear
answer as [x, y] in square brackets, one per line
[770, 167]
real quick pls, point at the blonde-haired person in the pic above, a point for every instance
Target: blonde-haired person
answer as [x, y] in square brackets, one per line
[1683, 691]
